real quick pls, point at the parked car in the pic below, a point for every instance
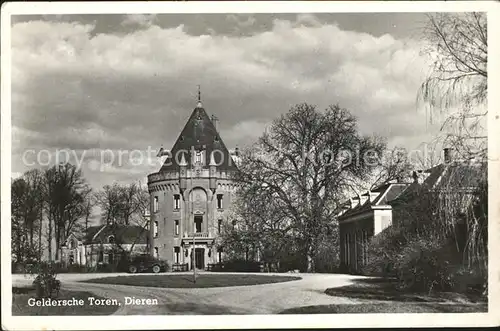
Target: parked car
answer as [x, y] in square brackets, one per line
[146, 263]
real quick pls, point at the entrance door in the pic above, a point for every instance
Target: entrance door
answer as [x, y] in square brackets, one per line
[199, 256]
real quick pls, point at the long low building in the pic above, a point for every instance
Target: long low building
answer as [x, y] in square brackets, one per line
[104, 244]
[368, 214]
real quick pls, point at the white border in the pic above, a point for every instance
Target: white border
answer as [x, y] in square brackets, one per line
[10, 322]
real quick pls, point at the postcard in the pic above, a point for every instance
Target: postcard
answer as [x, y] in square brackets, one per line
[270, 164]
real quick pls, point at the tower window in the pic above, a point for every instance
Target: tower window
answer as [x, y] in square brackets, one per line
[156, 229]
[177, 252]
[219, 201]
[157, 253]
[219, 252]
[176, 229]
[177, 201]
[198, 220]
[219, 225]
[155, 205]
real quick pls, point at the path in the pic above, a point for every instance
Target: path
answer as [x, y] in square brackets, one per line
[255, 299]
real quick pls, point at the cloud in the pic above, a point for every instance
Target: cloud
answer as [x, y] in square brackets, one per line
[73, 88]
[242, 21]
[307, 20]
[140, 20]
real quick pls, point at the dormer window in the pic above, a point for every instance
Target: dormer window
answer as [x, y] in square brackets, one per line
[111, 239]
[198, 157]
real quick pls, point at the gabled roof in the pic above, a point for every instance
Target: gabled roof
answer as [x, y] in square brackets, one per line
[124, 234]
[385, 193]
[199, 133]
[454, 176]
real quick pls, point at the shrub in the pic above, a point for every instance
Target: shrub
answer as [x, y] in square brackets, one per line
[46, 285]
[421, 262]
[382, 251]
[238, 265]
[105, 267]
[425, 264]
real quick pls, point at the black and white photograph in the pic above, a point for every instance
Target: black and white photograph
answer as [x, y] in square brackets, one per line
[314, 162]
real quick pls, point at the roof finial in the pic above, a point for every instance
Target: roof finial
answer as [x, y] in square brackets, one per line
[199, 105]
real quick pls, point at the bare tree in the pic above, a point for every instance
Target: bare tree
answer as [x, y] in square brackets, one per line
[394, 166]
[109, 200]
[305, 161]
[263, 230]
[19, 239]
[66, 199]
[458, 80]
[121, 206]
[27, 199]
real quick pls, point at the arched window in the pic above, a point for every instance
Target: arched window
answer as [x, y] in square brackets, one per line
[111, 239]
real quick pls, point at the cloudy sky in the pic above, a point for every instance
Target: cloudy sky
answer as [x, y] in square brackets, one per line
[89, 83]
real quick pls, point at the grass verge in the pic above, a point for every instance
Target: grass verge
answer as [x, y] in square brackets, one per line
[21, 295]
[186, 281]
[389, 307]
[384, 289]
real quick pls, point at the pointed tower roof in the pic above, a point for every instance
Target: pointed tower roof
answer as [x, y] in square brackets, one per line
[199, 134]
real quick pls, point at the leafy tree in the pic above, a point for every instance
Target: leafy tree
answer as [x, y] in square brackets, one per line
[299, 170]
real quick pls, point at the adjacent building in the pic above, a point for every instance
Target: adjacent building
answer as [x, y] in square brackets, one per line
[363, 217]
[368, 214]
[104, 244]
[191, 194]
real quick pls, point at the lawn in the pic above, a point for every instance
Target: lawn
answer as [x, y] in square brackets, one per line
[390, 307]
[378, 295]
[186, 281]
[387, 290]
[20, 307]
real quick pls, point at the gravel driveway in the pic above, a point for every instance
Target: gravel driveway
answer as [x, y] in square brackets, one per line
[255, 299]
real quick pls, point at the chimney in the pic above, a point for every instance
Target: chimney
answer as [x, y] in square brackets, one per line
[420, 176]
[354, 202]
[415, 176]
[448, 155]
[364, 198]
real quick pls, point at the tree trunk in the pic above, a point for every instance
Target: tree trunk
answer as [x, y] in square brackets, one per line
[58, 238]
[40, 235]
[31, 235]
[310, 258]
[49, 238]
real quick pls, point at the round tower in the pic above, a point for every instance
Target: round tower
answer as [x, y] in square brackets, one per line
[191, 195]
